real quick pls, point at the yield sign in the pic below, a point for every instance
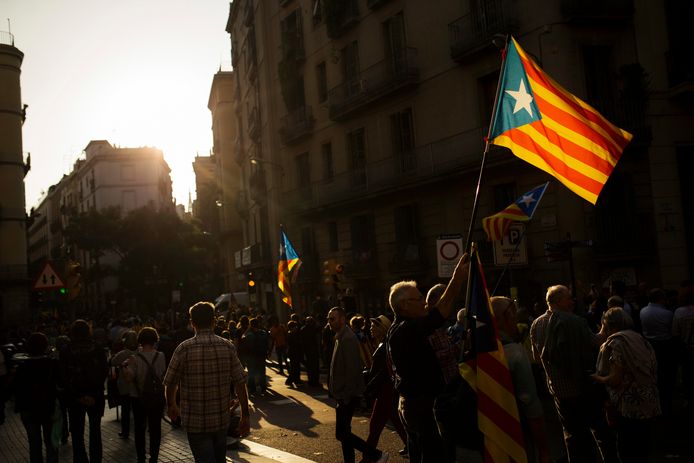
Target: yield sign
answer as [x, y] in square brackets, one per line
[48, 279]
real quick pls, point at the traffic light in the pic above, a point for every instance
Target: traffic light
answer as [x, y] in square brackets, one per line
[250, 280]
[73, 284]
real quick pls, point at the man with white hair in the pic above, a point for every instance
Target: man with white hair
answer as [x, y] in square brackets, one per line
[563, 343]
[418, 376]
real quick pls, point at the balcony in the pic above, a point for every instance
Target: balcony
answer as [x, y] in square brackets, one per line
[292, 48]
[473, 33]
[450, 156]
[340, 16]
[597, 11]
[370, 85]
[254, 124]
[680, 72]
[296, 125]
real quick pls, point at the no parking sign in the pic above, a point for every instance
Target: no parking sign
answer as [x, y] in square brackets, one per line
[449, 248]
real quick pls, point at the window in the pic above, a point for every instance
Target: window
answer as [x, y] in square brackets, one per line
[127, 172]
[395, 43]
[128, 200]
[406, 233]
[356, 149]
[333, 242]
[317, 12]
[403, 140]
[322, 79]
[303, 175]
[487, 91]
[350, 68]
[363, 239]
[328, 168]
[292, 36]
[307, 241]
[597, 61]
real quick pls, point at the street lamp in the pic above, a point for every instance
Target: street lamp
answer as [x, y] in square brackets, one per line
[259, 162]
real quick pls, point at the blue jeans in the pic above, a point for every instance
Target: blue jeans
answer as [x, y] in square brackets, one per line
[208, 447]
[38, 427]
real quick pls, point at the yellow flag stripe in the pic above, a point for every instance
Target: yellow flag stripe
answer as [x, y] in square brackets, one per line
[500, 438]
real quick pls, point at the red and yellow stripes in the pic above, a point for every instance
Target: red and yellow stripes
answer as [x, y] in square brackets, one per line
[488, 374]
[572, 141]
[496, 226]
[283, 281]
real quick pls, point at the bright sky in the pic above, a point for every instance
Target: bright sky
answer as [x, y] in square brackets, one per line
[133, 72]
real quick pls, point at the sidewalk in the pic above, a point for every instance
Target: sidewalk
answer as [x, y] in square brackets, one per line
[174, 445]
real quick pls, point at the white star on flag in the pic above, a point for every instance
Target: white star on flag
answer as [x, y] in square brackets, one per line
[527, 200]
[523, 99]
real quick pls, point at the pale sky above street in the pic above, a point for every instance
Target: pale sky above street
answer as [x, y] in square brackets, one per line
[133, 72]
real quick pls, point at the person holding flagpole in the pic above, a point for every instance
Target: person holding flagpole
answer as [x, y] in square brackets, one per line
[418, 376]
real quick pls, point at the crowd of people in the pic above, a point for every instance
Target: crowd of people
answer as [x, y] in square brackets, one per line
[610, 370]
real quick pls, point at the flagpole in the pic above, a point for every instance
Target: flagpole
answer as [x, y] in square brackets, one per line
[486, 149]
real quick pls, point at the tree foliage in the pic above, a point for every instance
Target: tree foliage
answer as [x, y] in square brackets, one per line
[158, 253]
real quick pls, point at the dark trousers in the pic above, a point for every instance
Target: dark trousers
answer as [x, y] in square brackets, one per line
[208, 447]
[385, 408]
[633, 439]
[343, 432]
[77, 414]
[39, 428]
[125, 407]
[585, 426]
[294, 370]
[147, 417]
[424, 442]
[281, 352]
[313, 368]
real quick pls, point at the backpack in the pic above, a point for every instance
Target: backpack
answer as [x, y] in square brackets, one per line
[152, 393]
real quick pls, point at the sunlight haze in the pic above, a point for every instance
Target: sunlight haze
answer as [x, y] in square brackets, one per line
[133, 72]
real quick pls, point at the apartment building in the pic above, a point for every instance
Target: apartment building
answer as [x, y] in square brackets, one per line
[107, 176]
[229, 195]
[361, 127]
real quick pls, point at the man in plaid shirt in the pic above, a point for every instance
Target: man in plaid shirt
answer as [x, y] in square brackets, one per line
[205, 367]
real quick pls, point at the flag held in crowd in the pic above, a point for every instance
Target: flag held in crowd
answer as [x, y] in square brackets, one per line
[522, 210]
[548, 127]
[486, 370]
[287, 267]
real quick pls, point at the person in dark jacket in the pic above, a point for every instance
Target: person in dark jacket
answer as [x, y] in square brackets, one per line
[295, 354]
[84, 368]
[36, 386]
[309, 340]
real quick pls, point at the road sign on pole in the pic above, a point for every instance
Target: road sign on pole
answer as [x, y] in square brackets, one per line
[48, 278]
[513, 249]
[449, 248]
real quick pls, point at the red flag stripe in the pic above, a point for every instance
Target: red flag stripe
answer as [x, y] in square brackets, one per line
[570, 147]
[548, 83]
[495, 369]
[500, 417]
[555, 163]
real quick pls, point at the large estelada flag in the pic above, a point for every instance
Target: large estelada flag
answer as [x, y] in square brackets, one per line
[288, 261]
[548, 127]
[522, 210]
[486, 370]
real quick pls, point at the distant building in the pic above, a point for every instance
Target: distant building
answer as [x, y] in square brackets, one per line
[361, 127]
[107, 176]
[14, 279]
[230, 196]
